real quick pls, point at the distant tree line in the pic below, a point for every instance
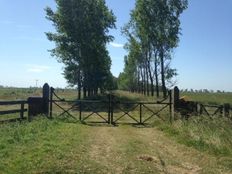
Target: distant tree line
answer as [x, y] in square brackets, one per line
[82, 32]
[152, 33]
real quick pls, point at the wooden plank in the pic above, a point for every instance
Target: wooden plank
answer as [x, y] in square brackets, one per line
[22, 111]
[13, 102]
[12, 111]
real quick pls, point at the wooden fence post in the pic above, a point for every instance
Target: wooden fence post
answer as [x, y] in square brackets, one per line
[176, 97]
[51, 101]
[22, 111]
[226, 110]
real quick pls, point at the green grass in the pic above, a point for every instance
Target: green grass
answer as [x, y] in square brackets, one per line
[203, 134]
[24, 93]
[40, 146]
[55, 146]
[65, 146]
[209, 98]
[18, 93]
[212, 136]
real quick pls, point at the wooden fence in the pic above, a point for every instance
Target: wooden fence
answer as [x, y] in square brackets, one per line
[33, 105]
[21, 110]
[111, 109]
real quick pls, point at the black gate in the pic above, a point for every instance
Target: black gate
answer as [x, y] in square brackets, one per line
[111, 111]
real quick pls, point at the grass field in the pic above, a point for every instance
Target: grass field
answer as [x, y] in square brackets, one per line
[199, 145]
[209, 98]
[55, 146]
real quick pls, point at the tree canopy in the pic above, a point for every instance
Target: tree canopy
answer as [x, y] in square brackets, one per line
[155, 27]
[82, 32]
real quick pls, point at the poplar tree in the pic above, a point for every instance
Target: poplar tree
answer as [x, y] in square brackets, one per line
[156, 26]
[82, 32]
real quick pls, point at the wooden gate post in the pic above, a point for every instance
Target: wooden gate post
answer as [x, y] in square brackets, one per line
[112, 109]
[51, 98]
[226, 110]
[46, 94]
[109, 108]
[175, 101]
[176, 97]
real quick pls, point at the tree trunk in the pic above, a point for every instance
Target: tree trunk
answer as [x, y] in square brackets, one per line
[95, 91]
[156, 77]
[89, 92]
[151, 79]
[150, 73]
[138, 81]
[84, 92]
[147, 80]
[79, 84]
[143, 81]
[162, 73]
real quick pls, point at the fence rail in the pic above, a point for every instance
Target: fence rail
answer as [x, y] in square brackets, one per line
[21, 110]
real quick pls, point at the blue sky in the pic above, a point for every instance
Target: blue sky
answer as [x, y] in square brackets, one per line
[203, 58]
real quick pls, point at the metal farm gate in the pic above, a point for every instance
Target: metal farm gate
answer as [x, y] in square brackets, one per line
[110, 110]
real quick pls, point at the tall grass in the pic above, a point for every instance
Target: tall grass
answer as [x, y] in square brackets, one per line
[204, 134]
[42, 146]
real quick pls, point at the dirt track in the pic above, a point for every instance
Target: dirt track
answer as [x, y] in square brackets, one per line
[126, 149]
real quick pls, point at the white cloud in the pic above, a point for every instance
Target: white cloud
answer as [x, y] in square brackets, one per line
[116, 45]
[37, 68]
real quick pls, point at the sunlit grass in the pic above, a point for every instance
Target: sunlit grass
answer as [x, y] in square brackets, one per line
[65, 146]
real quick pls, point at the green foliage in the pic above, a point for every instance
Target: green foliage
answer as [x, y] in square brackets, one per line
[81, 36]
[128, 80]
[202, 133]
[152, 32]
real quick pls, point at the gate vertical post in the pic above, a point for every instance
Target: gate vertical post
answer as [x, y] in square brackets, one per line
[171, 110]
[176, 97]
[51, 101]
[140, 113]
[112, 109]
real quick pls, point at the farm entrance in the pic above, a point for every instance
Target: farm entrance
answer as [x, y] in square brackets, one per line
[110, 110]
